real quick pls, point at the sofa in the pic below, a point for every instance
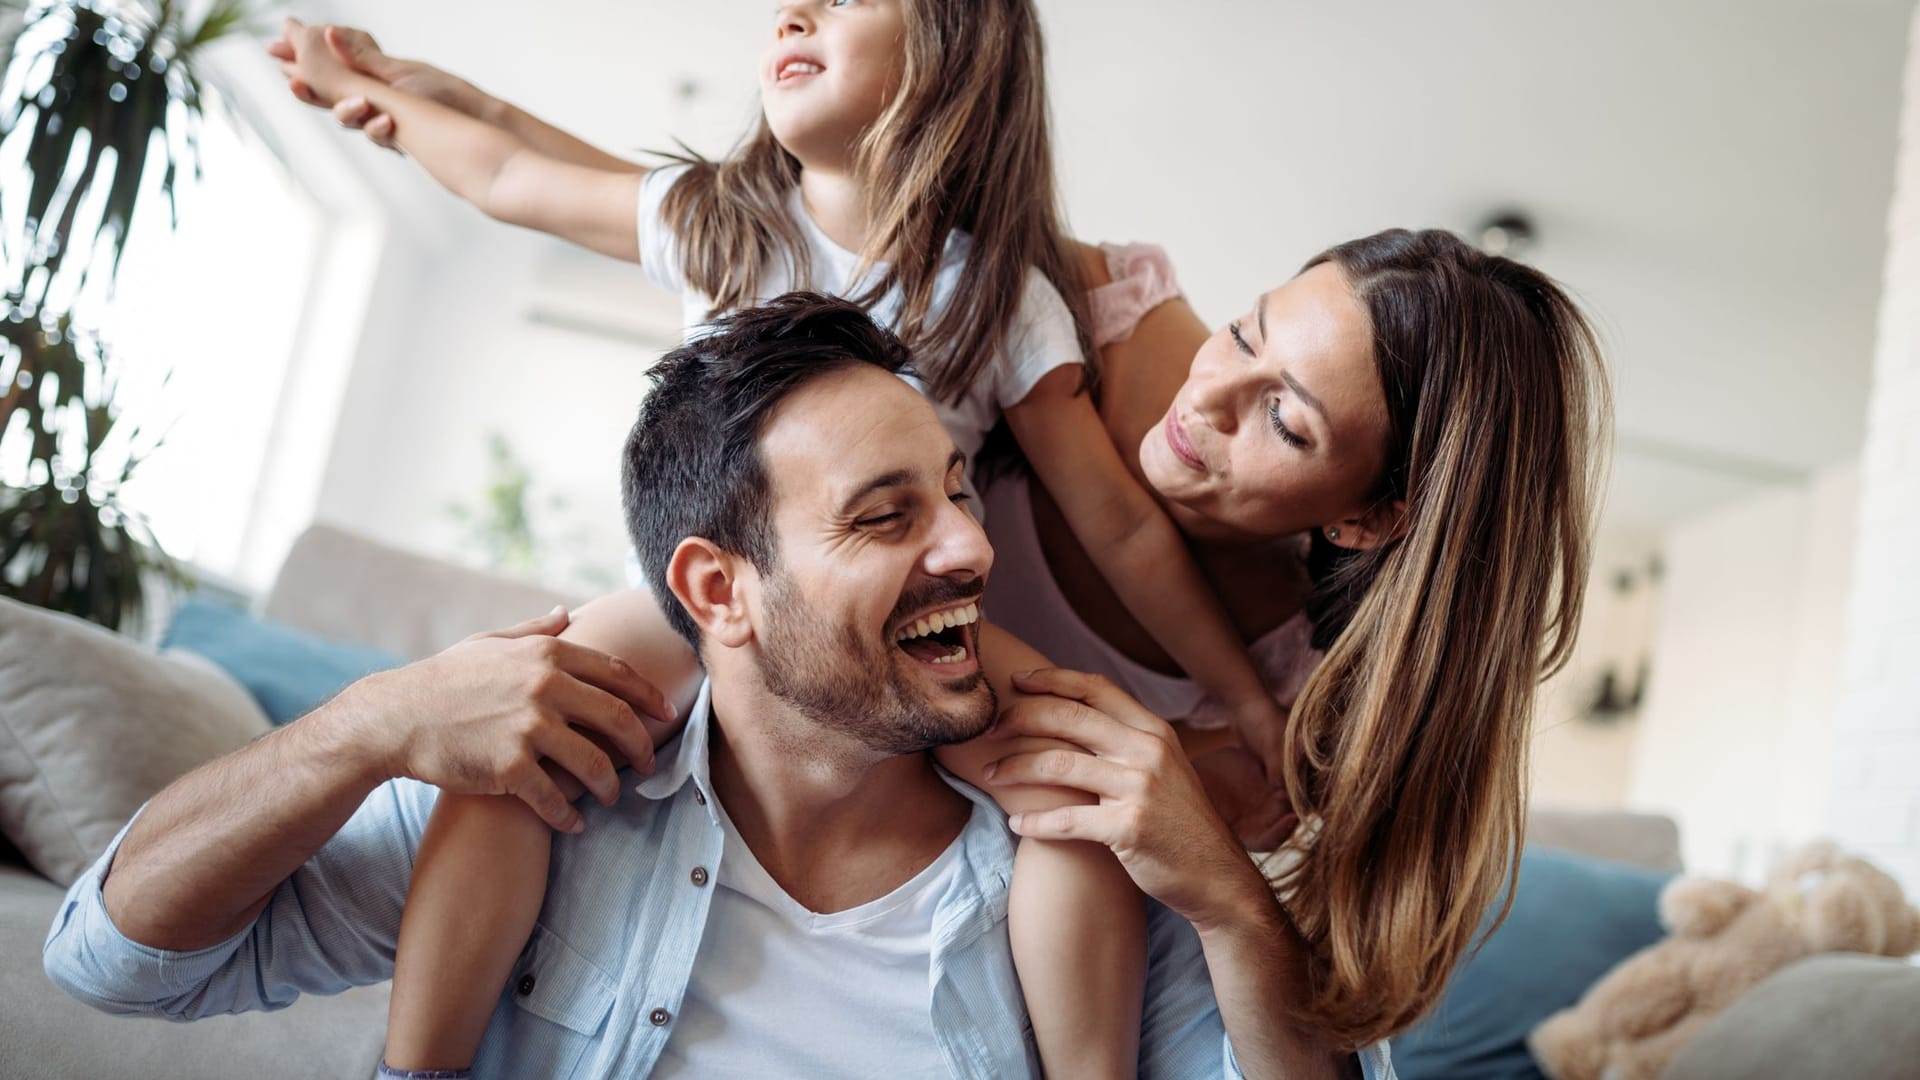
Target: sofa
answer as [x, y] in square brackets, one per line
[91, 724]
[60, 682]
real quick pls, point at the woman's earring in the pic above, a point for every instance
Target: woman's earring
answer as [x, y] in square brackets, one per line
[1333, 534]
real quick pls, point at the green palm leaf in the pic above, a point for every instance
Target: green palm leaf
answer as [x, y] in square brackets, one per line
[102, 97]
[107, 91]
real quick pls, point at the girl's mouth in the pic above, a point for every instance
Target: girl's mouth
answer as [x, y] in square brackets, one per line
[796, 67]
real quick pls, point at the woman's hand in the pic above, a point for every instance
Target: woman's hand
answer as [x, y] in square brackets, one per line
[1153, 811]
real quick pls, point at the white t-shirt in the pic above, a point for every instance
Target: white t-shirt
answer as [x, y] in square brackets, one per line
[1042, 337]
[778, 990]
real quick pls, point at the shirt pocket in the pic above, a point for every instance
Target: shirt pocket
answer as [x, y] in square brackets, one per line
[561, 1002]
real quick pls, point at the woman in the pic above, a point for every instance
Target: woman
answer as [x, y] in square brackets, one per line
[1390, 458]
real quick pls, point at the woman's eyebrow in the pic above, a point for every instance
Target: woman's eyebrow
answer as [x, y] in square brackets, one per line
[1302, 393]
[1293, 384]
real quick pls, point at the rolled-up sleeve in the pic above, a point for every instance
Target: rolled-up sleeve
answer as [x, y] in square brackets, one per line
[332, 925]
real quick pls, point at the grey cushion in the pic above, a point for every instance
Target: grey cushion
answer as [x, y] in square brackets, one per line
[92, 725]
[1651, 841]
[348, 588]
[1840, 1014]
[46, 1035]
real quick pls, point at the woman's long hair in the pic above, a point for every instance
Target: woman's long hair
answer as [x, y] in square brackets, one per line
[964, 145]
[1411, 737]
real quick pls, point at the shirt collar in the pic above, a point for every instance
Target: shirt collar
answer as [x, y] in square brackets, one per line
[686, 759]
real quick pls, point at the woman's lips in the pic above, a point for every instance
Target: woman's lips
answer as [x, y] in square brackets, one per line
[1182, 446]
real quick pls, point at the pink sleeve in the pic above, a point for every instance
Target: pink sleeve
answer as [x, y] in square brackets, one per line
[1142, 280]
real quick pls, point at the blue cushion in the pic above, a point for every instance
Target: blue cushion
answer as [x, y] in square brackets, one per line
[1573, 919]
[287, 671]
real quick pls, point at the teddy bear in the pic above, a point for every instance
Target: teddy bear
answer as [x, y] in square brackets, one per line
[1724, 939]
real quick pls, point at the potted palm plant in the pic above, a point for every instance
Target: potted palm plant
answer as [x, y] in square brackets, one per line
[103, 94]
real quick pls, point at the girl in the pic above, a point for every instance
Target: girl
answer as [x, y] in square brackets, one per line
[903, 160]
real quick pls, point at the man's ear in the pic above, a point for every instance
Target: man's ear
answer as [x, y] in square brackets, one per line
[1383, 524]
[706, 581]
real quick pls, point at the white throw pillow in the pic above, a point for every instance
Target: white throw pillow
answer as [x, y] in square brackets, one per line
[92, 724]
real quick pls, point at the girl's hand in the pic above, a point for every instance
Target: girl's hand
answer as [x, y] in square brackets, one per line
[356, 49]
[315, 72]
[1261, 725]
[1256, 807]
[1153, 812]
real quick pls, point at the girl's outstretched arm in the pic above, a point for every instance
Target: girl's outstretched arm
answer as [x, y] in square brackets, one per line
[1136, 547]
[358, 50]
[492, 166]
[481, 873]
[1077, 923]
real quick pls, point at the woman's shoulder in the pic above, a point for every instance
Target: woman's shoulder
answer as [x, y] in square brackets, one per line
[1138, 278]
[1125, 282]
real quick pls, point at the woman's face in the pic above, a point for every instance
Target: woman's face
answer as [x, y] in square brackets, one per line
[832, 68]
[1282, 424]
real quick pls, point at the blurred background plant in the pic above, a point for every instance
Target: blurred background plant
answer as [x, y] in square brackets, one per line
[500, 529]
[100, 105]
[68, 541]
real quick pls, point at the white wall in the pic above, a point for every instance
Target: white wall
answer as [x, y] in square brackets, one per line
[1743, 697]
[469, 362]
[1876, 747]
[1579, 760]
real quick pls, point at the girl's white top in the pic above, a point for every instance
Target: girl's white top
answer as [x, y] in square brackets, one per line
[1042, 337]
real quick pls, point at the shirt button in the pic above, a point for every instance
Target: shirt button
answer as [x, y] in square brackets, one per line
[699, 875]
[526, 985]
[699, 797]
[659, 1017]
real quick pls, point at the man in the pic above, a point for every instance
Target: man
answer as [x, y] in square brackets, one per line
[801, 508]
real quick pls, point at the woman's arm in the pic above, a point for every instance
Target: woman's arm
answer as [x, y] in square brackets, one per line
[1154, 816]
[498, 171]
[1135, 546]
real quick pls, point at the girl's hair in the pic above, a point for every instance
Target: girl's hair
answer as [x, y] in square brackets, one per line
[1411, 737]
[964, 145]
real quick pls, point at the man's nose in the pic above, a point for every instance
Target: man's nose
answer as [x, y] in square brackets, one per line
[959, 546]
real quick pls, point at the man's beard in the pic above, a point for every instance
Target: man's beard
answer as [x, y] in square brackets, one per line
[845, 680]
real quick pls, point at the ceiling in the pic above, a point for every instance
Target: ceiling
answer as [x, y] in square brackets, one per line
[1711, 178]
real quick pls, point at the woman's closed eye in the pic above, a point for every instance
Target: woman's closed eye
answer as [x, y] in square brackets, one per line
[1280, 428]
[1239, 339]
[1288, 435]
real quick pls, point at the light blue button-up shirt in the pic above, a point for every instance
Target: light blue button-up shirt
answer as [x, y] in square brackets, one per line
[598, 988]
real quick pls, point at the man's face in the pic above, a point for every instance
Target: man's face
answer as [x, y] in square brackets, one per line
[869, 619]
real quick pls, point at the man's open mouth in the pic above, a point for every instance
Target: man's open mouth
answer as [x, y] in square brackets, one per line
[941, 637]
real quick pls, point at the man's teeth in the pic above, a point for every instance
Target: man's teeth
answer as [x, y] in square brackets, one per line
[940, 620]
[953, 657]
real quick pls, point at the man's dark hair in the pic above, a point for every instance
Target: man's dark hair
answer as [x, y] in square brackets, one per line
[692, 462]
